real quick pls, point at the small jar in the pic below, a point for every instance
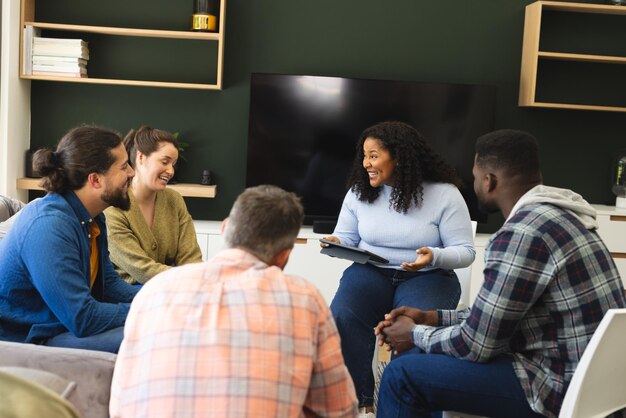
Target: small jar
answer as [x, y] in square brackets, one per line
[202, 19]
[619, 186]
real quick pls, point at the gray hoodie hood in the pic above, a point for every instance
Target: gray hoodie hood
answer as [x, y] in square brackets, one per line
[563, 198]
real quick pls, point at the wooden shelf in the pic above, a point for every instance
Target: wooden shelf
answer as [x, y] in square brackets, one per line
[194, 190]
[185, 189]
[605, 9]
[577, 107]
[28, 19]
[531, 53]
[165, 84]
[148, 33]
[563, 56]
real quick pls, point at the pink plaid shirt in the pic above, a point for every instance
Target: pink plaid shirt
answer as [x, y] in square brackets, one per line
[231, 337]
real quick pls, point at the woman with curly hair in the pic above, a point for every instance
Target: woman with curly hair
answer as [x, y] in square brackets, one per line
[404, 205]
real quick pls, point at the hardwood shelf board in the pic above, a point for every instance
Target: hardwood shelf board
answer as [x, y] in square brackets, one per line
[574, 106]
[148, 33]
[194, 190]
[530, 46]
[25, 183]
[564, 56]
[583, 7]
[118, 81]
[185, 189]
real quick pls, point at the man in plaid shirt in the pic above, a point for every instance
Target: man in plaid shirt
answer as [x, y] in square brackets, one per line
[235, 337]
[549, 280]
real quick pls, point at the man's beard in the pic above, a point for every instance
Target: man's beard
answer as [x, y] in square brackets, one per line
[485, 208]
[118, 198]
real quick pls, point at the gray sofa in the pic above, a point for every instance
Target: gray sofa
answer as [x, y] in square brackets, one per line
[88, 372]
[8, 208]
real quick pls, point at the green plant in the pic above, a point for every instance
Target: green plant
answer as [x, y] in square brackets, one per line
[182, 146]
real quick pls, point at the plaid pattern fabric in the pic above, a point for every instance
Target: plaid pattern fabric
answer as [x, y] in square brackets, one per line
[548, 283]
[231, 337]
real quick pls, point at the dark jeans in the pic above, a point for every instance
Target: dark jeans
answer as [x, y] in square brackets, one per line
[366, 293]
[107, 341]
[414, 385]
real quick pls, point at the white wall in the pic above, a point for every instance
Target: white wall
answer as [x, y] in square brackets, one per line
[14, 104]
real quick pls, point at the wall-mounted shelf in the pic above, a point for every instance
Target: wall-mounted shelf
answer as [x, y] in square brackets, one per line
[185, 189]
[532, 55]
[28, 19]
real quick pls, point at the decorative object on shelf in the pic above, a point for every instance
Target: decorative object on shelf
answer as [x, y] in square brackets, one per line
[619, 186]
[207, 178]
[202, 20]
[182, 146]
[59, 57]
[617, 2]
[29, 171]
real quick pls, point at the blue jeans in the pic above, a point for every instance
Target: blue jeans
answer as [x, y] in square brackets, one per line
[414, 385]
[366, 293]
[106, 341]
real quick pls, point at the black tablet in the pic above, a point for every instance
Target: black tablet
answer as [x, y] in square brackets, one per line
[357, 255]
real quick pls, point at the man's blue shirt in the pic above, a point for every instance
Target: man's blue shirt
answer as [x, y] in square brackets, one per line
[45, 275]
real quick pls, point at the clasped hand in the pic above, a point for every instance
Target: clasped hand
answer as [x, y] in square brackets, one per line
[424, 258]
[396, 329]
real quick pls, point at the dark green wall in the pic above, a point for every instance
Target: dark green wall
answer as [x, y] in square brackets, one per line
[458, 41]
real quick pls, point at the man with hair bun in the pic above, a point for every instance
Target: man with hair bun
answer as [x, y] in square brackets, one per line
[235, 337]
[57, 284]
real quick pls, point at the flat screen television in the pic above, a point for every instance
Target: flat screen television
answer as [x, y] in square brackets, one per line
[303, 130]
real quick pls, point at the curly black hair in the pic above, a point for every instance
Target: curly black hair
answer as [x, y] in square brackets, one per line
[416, 163]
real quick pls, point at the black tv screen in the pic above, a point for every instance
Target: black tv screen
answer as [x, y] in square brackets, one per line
[303, 130]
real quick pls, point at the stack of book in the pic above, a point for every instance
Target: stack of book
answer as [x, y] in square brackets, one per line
[59, 57]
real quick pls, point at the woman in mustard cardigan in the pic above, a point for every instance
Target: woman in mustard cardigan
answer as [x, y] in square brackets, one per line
[157, 232]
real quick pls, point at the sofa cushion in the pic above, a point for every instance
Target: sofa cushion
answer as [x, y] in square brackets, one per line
[91, 370]
[56, 383]
[23, 398]
[9, 207]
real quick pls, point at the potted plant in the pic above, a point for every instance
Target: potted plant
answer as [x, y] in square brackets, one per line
[182, 146]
